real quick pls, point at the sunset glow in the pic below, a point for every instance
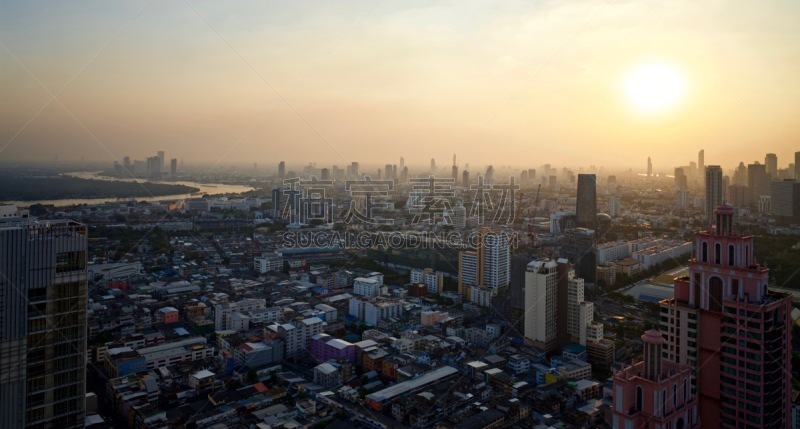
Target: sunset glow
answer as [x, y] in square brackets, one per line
[654, 87]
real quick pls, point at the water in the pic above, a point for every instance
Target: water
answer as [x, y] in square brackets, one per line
[204, 188]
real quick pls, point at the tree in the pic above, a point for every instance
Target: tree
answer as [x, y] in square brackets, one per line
[252, 375]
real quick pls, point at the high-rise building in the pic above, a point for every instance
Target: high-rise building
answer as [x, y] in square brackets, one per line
[714, 189]
[733, 331]
[519, 265]
[354, 169]
[682, 198]
[433, 166]
[681, 181]
[154, 168]
[282, 169]
[489, 177]
[276, 204]
[654, 393]
[771, 162]
[465, 179]
[740, 175]
[613, 205]
[737, 195]
[162, 160]
[785, 199]
[797, 166]
[43, 303]
[488, 265]
[541, 288]
[757, 182]
[580, 246]
[496, 260]
[649, 167]
[402, 163]
[586, 202]
[173, 167]
[701, 161]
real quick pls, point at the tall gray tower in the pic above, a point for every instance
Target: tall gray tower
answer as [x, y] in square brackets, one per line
[43, 299]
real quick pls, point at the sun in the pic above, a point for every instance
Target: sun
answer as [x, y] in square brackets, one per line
[654, 87]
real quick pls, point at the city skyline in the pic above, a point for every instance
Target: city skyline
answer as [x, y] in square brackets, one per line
[228, 85]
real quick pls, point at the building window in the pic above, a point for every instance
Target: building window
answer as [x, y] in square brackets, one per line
[717, 252]
[70, 261]
[639, 398]
[715, 294]
[674, 395]
[705, 252]
[731, 255]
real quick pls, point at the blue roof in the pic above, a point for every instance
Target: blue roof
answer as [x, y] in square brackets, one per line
[574, 348]
[181, 331]
[649, 298]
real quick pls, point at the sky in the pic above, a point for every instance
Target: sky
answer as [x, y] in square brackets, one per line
[518, 83]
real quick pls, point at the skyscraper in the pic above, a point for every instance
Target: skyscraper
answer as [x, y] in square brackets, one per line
[465, 179]
[586, 203]
[276, 204]
[797, 166]
[613, 205]
[714, 189]
[701, 161]
[733, 332]
[785, 200]
[771, 162]
[162, 160]
[154, 168]
[433, 166]
[173, 167]
[580, 246]
[489, 264]
[681, 181]
[740, 175]
[43, 299]
[541, 288]
[649, 167]
[489, 177]
[282, 169]
[757, 182]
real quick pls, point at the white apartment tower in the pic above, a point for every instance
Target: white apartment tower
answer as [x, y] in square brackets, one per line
[541, 284]
[488, 265]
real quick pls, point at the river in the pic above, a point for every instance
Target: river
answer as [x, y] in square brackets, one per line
[204, 188]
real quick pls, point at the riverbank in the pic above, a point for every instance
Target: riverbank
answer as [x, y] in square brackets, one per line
[47, 188]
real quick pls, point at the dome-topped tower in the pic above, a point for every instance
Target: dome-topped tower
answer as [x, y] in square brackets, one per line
[653, 344]
[723, 216]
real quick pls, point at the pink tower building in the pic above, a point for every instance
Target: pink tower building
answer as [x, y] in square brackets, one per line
[654, 393]
[732, 331]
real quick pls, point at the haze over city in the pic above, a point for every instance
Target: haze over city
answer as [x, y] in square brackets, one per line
[362, 214]
[571, 83]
